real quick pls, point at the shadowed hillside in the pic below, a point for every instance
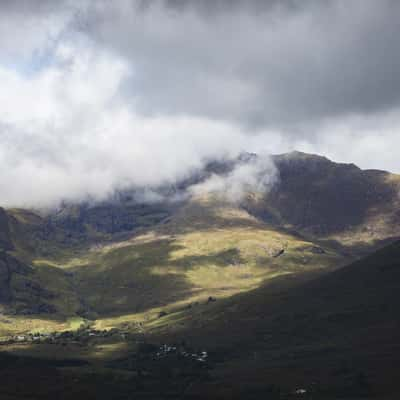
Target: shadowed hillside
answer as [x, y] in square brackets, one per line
[329, 337]
[338, 202]
[336, 336]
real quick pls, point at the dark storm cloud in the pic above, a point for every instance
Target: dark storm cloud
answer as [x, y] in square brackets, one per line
[257, 63]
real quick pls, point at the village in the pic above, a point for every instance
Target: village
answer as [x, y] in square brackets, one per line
[83, 337]
[77, 336]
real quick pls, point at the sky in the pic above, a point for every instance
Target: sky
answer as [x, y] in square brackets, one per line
[103, 95]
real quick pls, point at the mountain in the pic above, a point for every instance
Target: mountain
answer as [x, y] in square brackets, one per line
[266, 284]
[323, 200]
[312, 196]
[336, 210]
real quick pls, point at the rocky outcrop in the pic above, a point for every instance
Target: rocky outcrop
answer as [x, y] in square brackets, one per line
[106, 218]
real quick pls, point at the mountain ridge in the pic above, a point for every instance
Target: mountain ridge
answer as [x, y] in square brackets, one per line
[335, 206]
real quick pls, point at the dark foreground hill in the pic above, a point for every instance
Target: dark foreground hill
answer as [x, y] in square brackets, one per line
[331, 337]
[336, 336]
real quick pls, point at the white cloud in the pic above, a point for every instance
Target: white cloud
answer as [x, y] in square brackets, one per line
[66, 133]
[103, 95]
[254, 175]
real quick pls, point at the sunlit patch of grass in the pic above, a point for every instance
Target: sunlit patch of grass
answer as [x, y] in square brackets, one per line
[13, 325]
[75, 323]
[60, 263]
[241, 258]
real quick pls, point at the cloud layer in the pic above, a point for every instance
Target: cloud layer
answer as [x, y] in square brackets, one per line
[103, 95]
[255, 174]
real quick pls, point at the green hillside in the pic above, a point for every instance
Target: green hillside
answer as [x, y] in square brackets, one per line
[207, 249]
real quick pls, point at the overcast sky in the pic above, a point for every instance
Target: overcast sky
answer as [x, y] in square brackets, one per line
[98, 95]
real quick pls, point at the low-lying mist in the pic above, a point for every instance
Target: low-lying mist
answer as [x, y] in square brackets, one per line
[252, 173]
[230, 179]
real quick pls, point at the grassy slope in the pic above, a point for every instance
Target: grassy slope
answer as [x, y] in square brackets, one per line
[209, 248]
